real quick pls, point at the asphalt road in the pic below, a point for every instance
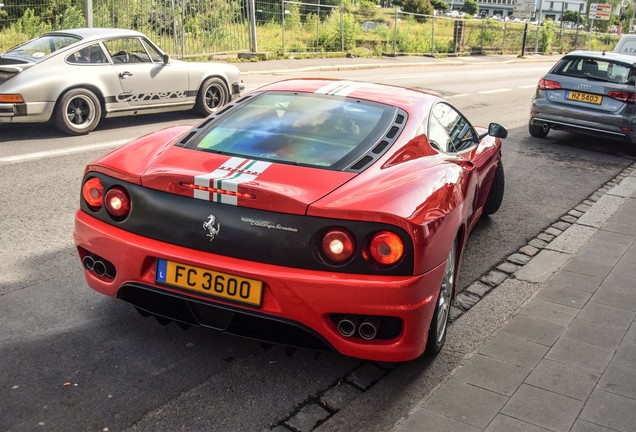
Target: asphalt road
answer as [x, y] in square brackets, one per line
[74, 360]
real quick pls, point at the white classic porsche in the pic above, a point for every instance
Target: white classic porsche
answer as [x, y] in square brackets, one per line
[76, 77]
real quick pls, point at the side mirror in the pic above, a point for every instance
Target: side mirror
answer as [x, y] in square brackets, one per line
[497, 130]
[166, 59]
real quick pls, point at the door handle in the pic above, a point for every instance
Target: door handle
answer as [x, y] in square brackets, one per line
[125, 74]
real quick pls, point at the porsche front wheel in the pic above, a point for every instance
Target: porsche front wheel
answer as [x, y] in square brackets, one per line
[213, 94]
[439, 324]
[78, 112]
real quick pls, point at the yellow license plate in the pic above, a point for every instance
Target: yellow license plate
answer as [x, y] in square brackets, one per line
[209, 282]
[585, 97]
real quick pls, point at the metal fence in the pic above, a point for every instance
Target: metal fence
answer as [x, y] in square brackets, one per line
[188, 28]
[204, 28]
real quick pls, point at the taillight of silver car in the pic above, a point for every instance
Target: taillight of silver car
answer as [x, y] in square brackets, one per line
[545, 84]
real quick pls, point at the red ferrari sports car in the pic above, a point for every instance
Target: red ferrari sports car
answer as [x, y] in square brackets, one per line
[315, 213]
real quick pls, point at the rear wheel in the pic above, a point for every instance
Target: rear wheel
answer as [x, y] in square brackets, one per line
[495, 196]
[78, 112]
[213, 94]
[439, 324]
[538, 131]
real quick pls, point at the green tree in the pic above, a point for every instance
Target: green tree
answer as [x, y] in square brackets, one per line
[439, 5]
[571, 16]
[470, 7]
[418, 6]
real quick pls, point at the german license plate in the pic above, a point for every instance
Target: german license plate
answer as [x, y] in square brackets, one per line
[585, 97]
[209, 282]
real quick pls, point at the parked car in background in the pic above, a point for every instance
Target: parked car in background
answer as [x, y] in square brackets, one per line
[314, 213]
[77, 77]
[626, 45]
[590, 93]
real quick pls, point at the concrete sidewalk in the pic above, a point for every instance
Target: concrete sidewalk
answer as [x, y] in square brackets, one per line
[566, 359]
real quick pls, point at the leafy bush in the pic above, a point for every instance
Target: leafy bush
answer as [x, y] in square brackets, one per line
[31, 25]
[71, 18]
[330, 34]
[546, 37]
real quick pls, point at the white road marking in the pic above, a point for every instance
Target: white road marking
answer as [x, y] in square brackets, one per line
[528, 86]
[494, 91]
[403, 77]
[61, 152]
[483, 72]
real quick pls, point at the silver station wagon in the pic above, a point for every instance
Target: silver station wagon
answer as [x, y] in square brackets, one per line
[76, 77]
[587, 92]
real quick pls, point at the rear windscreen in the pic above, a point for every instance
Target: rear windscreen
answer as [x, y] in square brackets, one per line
[596, 69]
[301, 128]
[43, 46]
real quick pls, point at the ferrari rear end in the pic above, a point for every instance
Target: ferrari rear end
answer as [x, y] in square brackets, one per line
[232, 225]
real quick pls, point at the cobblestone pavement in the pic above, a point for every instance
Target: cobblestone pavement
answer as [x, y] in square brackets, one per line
[566, 360]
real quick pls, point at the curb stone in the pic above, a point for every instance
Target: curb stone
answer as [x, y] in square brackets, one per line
[367, 374]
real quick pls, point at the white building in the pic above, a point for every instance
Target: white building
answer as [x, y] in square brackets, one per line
[550, 10]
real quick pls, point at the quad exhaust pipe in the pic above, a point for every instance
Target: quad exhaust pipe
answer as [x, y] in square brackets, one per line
[88, 262]
[367, 329]
[348, 326]
[99, 268]
[97, 265]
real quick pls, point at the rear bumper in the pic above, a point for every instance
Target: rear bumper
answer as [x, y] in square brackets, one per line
[582, 127]
[606, 125]
[237, 89]
[301, 301]
[31, 112]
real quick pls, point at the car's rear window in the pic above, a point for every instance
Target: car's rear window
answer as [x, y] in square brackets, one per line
[596, 69]
[43, 46]
[302, 128]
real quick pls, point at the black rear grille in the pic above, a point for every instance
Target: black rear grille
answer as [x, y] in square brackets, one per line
[230, 320]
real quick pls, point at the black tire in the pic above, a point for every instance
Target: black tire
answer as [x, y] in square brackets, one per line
[538, 131]
[77, 112]
[495, 196]
[213, 94]
[438, 329]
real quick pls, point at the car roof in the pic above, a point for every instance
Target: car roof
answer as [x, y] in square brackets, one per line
[400, 97]
[96, 33]
[603, 55]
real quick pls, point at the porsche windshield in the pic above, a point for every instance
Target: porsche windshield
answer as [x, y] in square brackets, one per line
[302, 128]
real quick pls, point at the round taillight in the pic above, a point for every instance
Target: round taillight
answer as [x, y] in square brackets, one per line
[117, 202]
[93, 192]
[386, 248]
[338, 245]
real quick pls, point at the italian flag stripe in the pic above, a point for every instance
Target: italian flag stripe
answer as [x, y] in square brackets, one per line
[341, 88]
[228, 177]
